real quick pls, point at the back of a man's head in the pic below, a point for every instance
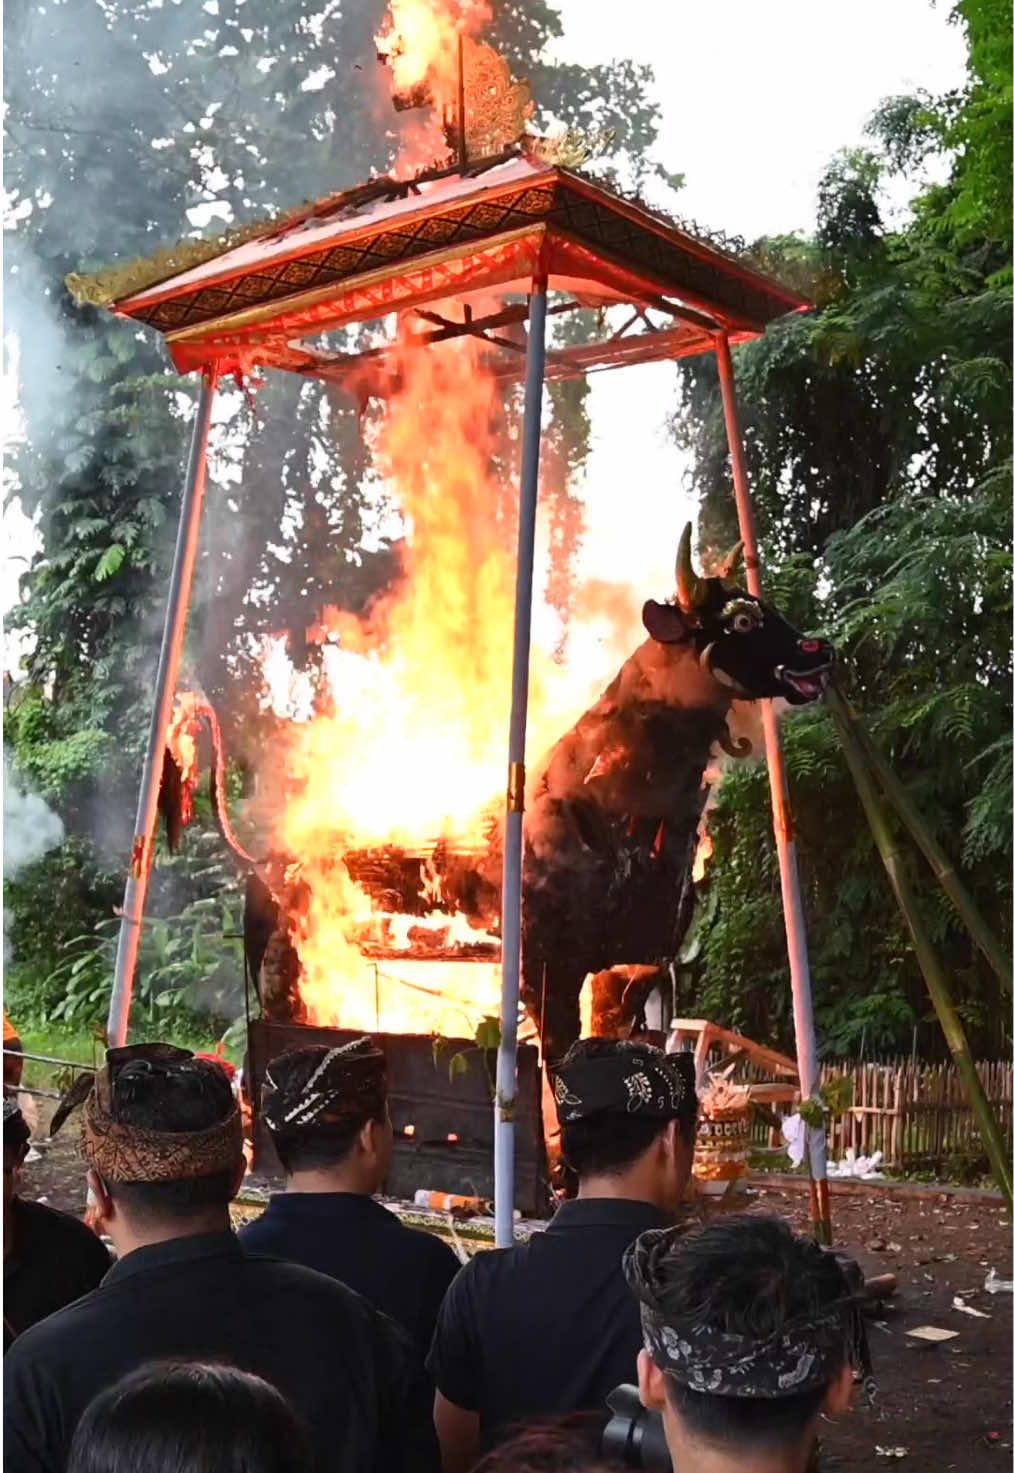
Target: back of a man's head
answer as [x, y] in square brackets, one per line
[184, 1098]
[317, 1101]
[167, 1418]
[740, 1312]
[609, 1142]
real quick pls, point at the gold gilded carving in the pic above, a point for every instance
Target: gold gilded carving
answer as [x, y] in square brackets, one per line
[496, 106]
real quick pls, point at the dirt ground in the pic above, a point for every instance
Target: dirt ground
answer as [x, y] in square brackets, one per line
[948, 1405]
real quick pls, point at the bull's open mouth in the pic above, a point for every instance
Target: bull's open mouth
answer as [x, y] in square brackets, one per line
[810, 685]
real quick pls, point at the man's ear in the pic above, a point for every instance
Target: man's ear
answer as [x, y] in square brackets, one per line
[650, 1382]
[839, 1392]
[665, 622]
[373, 1138]
[237, 1177]
[103, 1202]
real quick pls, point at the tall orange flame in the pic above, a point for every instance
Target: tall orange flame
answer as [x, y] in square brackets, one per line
[419, 41]
[409, 748]
[412, 748]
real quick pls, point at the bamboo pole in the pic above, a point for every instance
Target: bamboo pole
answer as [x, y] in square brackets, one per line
[937, 982]
[950, 881]
[180, 581]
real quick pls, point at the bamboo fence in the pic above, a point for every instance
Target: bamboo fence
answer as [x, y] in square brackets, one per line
[917, 1114]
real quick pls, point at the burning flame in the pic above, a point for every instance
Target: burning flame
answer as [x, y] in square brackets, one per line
[407, 747]
[419, 42]
[705, 849]
[411, 749]
[710, 780]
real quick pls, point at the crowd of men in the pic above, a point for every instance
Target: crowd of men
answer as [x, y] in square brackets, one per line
[329, 1336]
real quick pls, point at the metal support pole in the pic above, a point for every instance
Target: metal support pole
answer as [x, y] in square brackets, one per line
[510, 928]
[180, 581]
[792, 904]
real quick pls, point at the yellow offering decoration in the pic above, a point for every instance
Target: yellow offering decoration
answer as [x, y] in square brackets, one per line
[723, 1132]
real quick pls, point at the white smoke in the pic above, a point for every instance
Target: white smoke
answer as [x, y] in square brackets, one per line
[30, 829]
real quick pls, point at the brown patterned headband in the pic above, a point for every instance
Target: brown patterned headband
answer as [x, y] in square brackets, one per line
[121, 1152]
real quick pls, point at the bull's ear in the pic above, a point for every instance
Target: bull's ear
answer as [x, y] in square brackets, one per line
[665, 622]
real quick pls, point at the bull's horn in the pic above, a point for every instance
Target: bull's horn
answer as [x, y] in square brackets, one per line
[691, 591]
[731, 560]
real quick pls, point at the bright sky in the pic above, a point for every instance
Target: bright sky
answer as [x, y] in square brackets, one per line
[756, 98]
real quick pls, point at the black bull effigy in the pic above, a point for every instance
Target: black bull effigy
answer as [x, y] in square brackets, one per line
[611, 818]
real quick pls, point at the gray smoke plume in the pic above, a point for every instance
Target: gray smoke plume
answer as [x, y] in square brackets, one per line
[31, 829]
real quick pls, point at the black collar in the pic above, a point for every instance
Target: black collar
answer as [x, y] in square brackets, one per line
[615, 1212]
[325, 1204]
[175, 1251]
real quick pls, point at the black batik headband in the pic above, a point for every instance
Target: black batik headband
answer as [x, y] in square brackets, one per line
[801, 1355]
[319, 1087]
[636, 1081]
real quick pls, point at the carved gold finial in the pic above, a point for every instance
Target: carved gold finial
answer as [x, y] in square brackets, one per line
[496, 106]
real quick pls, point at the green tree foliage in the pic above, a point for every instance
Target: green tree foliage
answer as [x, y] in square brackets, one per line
[878, 437]
[122, 117]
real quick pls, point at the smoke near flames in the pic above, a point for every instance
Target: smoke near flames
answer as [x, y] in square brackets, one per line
[30, 830]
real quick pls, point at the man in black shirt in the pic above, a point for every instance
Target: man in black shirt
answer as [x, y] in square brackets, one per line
[163, 1138]
[327, 1110]
[50, 1259]
[548, 1327]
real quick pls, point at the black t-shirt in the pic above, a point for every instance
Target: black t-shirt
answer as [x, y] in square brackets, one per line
[54, 1260]
[349, 1372]
[547, 1327]
[401, 1271]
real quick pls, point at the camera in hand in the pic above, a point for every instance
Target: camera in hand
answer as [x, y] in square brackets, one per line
[634, 1436]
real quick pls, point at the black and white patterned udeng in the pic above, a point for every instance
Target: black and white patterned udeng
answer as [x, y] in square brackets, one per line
[641, 1081]
[320, 1086]
[801, 1355]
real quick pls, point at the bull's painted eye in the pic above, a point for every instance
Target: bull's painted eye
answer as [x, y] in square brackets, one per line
[742, 616]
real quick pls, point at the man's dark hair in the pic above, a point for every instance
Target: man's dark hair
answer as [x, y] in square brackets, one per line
[606, 1144]
[318, 1147]
[173, 1099]
[747, 1276]
[323, 1145]
[16, 1133]
[202, 1418]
